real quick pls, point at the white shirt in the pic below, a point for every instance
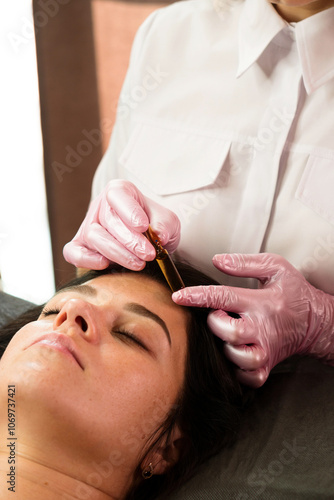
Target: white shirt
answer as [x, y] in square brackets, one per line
[227, 118]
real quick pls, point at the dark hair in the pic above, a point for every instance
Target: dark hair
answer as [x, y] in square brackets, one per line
[208, 410]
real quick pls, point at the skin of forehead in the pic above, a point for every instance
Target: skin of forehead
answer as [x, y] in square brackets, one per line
[161, 293]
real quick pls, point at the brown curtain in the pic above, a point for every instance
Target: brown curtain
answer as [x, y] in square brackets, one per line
[83, 48]
[69, 111]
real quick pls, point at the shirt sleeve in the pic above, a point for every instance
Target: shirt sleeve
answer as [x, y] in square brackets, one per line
[108, 167]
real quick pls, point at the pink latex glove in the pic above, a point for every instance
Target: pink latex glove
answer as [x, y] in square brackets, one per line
[112, 229]
[285, 316]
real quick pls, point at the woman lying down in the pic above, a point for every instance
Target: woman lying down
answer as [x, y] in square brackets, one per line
[119, 392]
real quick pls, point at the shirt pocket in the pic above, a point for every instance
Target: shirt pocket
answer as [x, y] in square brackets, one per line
[170, 161]
[316, 188]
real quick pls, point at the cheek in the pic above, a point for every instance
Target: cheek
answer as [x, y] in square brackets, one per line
[133, 401]
[14, 350]
[135, 417]
[132, 386]
[34, 370]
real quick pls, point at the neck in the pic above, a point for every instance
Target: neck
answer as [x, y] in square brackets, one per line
[34, 481]
[293, 14]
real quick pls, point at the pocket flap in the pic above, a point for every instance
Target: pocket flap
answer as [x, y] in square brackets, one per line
[172, 161]
[315, 189]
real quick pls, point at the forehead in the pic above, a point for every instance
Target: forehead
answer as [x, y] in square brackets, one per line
[133, 284]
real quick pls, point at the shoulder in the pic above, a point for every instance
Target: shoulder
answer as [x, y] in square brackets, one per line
[184, 25]
[184, 9]
[183, 16]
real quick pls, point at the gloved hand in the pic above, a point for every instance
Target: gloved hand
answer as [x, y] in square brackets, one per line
[285, 316]
[112, 229]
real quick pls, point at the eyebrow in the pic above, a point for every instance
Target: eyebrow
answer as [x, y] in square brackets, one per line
[142, 311]
[133, 307]
[87, 290]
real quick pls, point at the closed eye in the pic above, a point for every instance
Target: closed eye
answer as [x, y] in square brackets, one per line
[129, 337]
[49, 312]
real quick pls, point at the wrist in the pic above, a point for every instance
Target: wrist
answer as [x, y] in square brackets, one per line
[319, 340]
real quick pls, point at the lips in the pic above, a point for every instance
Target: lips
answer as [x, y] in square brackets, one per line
[62, 343]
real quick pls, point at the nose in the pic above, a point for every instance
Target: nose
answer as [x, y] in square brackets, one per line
[78, 317]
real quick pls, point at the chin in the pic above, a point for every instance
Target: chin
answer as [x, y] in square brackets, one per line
[292, 3]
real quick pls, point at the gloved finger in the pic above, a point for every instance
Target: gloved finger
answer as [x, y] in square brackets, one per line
[137, 212]
[253, 378]
[129, 203]
[237, 300]
[247, 357]
[237, 331]
[80, 256]
[135, 242]
[261, 266]
[103, 242]
[165, 224]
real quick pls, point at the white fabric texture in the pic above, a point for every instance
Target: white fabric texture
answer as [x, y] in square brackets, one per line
[227, 118]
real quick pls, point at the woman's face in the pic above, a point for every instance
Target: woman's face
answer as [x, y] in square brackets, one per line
[102, 366]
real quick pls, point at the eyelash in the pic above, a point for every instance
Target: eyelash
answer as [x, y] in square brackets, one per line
[49, 312]
[131, 337]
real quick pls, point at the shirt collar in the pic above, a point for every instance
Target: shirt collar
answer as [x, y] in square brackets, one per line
[260, 23]
[315, 42]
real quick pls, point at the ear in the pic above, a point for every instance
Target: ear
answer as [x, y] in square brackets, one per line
[165, 456]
